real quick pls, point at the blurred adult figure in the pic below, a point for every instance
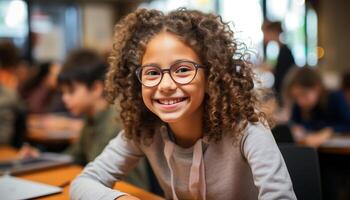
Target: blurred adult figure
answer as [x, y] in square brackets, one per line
[285, 59]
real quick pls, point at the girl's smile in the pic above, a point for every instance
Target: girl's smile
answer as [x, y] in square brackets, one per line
[170, 104]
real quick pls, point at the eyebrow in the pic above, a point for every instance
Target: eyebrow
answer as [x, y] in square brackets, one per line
[176, 61]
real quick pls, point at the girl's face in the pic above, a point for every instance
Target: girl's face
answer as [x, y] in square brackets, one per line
[170, 101]
[306, 98]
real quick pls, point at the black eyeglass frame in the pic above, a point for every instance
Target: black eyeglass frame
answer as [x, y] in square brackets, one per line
[196, 65]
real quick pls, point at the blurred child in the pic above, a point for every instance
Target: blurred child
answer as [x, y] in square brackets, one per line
[317, 113]
[187, 104]
[81, 82]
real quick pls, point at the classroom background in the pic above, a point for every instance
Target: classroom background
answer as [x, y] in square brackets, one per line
[280, 37]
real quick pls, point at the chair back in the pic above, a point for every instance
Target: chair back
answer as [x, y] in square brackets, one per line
[304, 170]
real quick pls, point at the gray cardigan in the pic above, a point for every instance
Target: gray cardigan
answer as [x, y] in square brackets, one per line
[251, 169]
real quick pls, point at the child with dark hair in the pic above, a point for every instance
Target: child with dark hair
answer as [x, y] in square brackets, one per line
[317, 113]
[187, 104]
[81, 83]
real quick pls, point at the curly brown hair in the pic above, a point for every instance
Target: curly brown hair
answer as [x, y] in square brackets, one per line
[230, 102]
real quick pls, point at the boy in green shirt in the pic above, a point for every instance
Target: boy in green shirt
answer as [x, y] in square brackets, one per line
[82, 83]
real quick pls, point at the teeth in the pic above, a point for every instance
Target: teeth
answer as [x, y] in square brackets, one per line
[170, 101]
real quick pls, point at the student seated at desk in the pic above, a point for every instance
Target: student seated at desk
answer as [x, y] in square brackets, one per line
[187, 104]
[316, 113]
[82, 85]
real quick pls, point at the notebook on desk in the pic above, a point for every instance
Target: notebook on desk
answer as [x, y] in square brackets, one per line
[12, 188]
[45, 160]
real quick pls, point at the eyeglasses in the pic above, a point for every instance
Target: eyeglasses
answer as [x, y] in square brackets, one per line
[181, 72]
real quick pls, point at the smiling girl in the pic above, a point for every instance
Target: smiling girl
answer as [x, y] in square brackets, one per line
[187, 104]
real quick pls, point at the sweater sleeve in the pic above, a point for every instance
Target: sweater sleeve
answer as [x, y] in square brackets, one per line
[269, 170]
[97, 178]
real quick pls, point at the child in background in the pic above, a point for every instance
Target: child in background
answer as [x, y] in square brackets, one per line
[187, 104]
[316, 113]
[82, 86]
[81, 83]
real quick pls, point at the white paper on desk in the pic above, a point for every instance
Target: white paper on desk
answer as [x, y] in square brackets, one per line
[12, 188]
[337, 142]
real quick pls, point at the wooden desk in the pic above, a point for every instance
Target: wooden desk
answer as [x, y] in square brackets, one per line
[61, 176]
[7, 152]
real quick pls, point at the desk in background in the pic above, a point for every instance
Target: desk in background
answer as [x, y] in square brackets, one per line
[338, 145]
[62, 176]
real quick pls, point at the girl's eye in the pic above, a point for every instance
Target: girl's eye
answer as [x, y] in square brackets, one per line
[182, 69]
[151, 72]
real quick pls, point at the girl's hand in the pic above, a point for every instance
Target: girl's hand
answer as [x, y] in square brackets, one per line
[127, 197]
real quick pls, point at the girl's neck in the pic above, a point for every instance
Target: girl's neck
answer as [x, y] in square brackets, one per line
[188, 130]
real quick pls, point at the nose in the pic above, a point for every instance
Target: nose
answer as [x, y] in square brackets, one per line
[167, 83]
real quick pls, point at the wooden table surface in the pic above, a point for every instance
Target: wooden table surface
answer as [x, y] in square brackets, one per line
[62, 176]
[337, 145]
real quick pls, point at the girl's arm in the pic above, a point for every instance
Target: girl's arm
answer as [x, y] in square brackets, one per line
[269, 171]
[97, 178]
